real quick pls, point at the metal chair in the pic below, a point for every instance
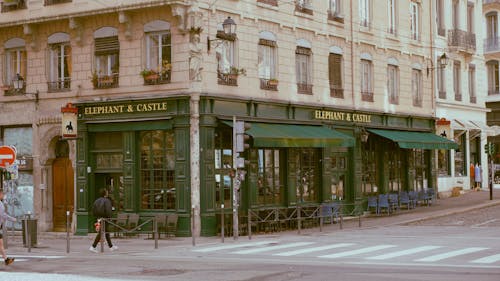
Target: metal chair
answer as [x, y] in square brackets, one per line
[429, 195]
[372, 203]
[383, 202]
[393, 201]
[161, 223]
[404, 199]
[413, 196]
[171, 227]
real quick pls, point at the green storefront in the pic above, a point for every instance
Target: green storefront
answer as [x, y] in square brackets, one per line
[140, 151]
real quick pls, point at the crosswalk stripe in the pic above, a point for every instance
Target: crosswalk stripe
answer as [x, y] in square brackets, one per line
[272, 248]
[451, 254]
[36, 257]
[315, 249]
[403, 252]
[359, 251]
[233, 246]
[488, 259]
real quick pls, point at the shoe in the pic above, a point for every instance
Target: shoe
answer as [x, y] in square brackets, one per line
[9, 261]
[93, 250]
[114, 248]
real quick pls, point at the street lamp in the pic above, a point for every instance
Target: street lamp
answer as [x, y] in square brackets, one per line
[442, 63]
[228, 30]
[18, 83]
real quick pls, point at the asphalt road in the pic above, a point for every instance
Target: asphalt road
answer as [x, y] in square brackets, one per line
[456, 247]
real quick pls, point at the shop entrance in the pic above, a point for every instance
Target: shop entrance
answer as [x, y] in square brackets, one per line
[339, 174]
[113, 182]
[63, 194]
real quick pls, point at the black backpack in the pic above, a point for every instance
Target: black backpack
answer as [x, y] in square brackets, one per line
[99, 208]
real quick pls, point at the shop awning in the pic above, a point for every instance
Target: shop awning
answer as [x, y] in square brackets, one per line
[286, 135]
[421, 140]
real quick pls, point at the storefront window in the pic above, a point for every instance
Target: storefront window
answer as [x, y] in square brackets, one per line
[307, 161]
[418, 166]
[269, 182]
[223, 167]
[460, 156]
[339, 172]
[444, 162]
[395, 168]
[369, 181]
[107, 150]
[157, 170]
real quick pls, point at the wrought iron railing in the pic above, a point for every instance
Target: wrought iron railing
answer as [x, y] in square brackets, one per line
[158, 78]
[60, 85]
[336, 91]
[462, 39]
[227, 79]
[268, 84]
[304, 88]
[13, 5]
[492, 45]
[366, 96]
[106, 81]
[54, 2]
[10, 90]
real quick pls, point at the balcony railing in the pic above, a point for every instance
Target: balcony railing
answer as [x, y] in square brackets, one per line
[490, 1]
[106, 81]
[12, 5]
[367, 96]
[458, 96]
[305, 88]
[442, 94]
[466, 41]
[60, 85]
[302, 8]
[158, 78]
[269, 2]
[335, 16]
[268, 84]
[493, 92]
[227, 79]
[336, 91]
[492, 45]
[54, 2]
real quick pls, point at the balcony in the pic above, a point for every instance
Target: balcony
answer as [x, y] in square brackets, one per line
[13, 5]
[492, 45]
[305, 88]
[335, 16]
[158, 78]
[269, 2]
[106, 81]
[367, 96]
[227, 79]
[10, 90]
[61, 85]
[462, 41]
[269, 84]
[336, 91]
[54, 2]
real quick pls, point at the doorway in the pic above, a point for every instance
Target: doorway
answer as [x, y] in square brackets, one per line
[113, 182]
[339, 174]
[63, 194]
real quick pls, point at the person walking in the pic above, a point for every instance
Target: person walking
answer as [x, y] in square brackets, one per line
[3, 218]
[102, 208]
[472, 178]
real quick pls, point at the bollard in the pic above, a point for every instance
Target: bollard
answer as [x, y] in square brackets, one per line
[27, 233]
[249, 225]
[192, 226]
[67, 232]
[341, 220]
[222, 222]
[101, 230]
[155, 232]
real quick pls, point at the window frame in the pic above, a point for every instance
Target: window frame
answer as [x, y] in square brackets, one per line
[392, 16]
[393, 83]
[303, 58]
[366, 83]
[416, 86]
[57, 80]
[365, 13]
[415, 20]
[336, 81]
[457, 80]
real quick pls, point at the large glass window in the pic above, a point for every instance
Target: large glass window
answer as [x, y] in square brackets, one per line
[157, 170]
[307, 161]
[269, 183]
[223, 167]
[396, 170]
[366, 80]
[158, 55]
[59, 66]
[444, 162]
[303, 70]
[369, 172]
[107, 148]
[415, 20]
[460, 155]
[418, 159]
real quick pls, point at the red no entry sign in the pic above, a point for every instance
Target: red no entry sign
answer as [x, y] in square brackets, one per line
[7, 156]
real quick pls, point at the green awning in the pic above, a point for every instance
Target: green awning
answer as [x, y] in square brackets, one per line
[285, 135]
[421, 140]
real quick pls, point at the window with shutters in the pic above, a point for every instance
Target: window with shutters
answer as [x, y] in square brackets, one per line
[303, 70]
[158, 57]
[15, 66]
[59, 67]
[493, 78]
[393, 83]
[416, 87]
[267, 62]
[335, 11]
[366, 80]
[472, 83]
[107, 52]
[335, 75]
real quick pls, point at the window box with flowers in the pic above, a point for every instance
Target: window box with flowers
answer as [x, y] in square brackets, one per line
[160, 76]
[231, 77]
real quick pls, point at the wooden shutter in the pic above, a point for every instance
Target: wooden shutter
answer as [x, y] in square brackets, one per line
[335, 70]
[106, 45]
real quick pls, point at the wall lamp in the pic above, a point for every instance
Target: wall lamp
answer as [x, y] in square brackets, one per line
[442, 63]
[228, 32]
[20, 87]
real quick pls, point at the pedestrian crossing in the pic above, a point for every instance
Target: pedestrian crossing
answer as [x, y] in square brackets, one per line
[418, 254]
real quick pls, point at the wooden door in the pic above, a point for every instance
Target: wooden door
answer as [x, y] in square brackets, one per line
[62, 196]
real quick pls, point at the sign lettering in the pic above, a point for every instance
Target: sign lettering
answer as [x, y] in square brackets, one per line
[342, 116]
[125, 108]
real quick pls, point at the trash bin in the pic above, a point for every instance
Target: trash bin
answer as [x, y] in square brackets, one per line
[32, 231]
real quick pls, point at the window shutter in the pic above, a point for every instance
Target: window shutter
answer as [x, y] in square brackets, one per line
[106, 45]
[335, 70]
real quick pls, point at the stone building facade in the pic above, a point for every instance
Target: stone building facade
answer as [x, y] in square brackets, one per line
[342, 87]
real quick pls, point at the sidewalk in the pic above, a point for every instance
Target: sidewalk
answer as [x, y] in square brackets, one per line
[50, 243]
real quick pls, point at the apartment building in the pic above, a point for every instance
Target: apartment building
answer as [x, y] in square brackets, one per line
[339, 96]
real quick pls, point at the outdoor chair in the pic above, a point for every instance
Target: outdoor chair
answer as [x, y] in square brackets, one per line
[393, 201]
[404, 199]
[171, 227]
[422, 197]
[383, 202]
[121, 222]
[161, 223]
[330, 211]
[372, 203]
[429, 196]
[413, 197]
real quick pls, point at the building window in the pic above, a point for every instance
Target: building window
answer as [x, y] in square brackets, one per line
[13, 5]
[59, 67]
[54, 2]
[393, 83]
[395, 168]
[470, 17]
[416, 87]
[157, 170]
[472, 83]
[456, 81]
[366, 80]
[491, 25]
[107, 53]
[223, 167]
[158, 57]
[335, 11]
[308, 173]
[364, 13]
[335, 75]
[493, 79]
[304, 6]
[15, 66]
[418, 159]
[270, 188]
[440, 18]
[369, 162]
[444, 162]
[266, 63]
[269, 2]
[415, 20]
[455, 14]
[441, 82]
[303, 68]
[460, 155]
[392, 14]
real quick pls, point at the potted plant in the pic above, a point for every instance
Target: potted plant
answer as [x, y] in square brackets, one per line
[94, 78]
[234, 72]
[149, 75]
